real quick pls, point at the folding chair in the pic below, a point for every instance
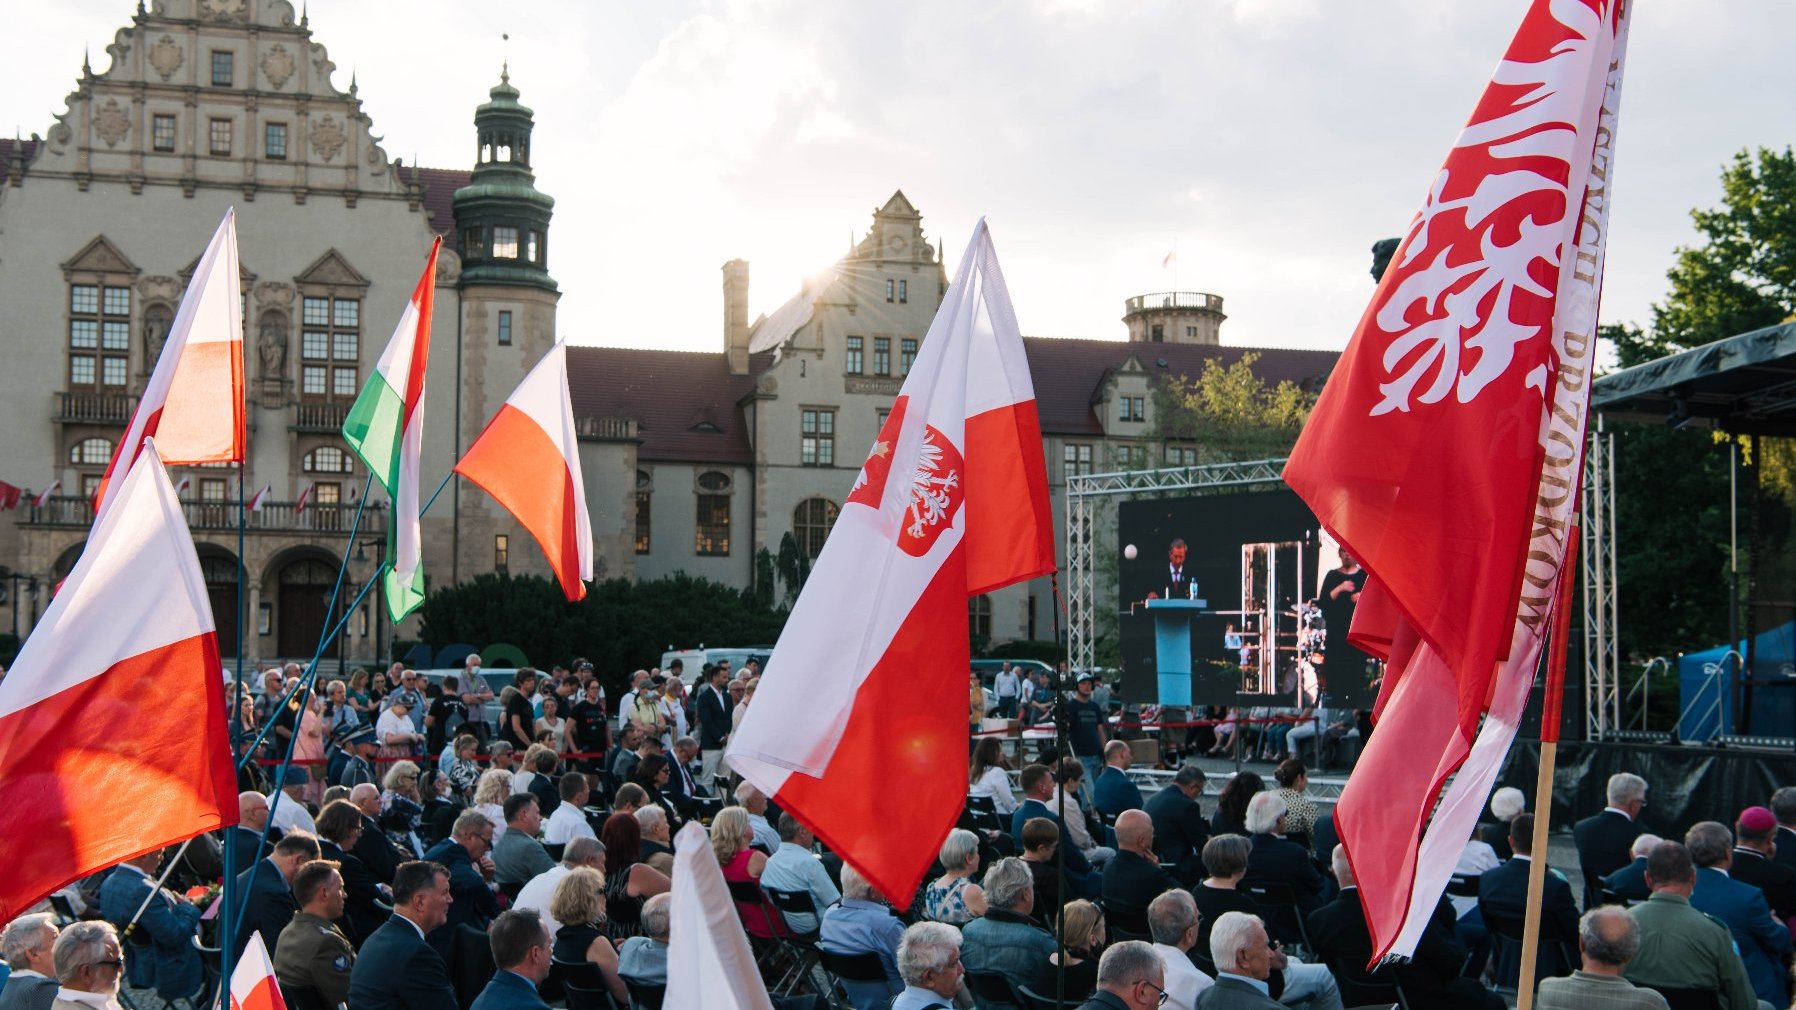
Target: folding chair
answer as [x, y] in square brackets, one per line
[642, 995]
[860, 979]
[1279, 905]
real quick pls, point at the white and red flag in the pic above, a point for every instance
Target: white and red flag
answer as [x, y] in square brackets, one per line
[709, 963]
[305, 496]
[193, 404]
[182, 485]
[43, 497]
[868, 684]
[253, 985]
[1445, 451]
[9, 496]
[112, 724]
[528, 459]
[255, 504]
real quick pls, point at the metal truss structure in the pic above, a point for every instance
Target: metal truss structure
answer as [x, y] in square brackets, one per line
[1603, 692]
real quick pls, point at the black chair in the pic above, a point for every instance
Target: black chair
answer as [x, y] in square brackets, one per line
[863, 969]
[1127, 920]
[64, 909]
[1032, 1000]
[790, 903]
[1463, 885]
[582, 985]
[782, 964]
[1688, 999]
[1378, 988]
[1506, 949]
[212, 960]
[304, 998]
[990, 990]
[470, 963]
[554, 851]
[1278, 906]
[644, 996]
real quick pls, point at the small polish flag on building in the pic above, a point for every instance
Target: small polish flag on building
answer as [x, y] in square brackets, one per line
[183, 485]
[43, 497]
[9, 497]
[1167, 260]
[255, 504]
[299, 504]
[253, 985]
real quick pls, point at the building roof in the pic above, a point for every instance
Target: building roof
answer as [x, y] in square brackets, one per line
[440, 185]
[684, 402]
[27, 147]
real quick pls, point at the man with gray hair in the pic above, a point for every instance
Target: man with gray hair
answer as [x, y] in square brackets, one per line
[28, 945]
[1783, 807]
[1242, 953]
[1180, 829]
[1278, 861]
[1604, 839]
[1629, 882]
[582, 851]
[1764, 942]
[1609, 938]
[1005, 940]
[793, 868]
[657, 836]
[862, 924]
[1130, 977]
[644, 958]
[89, 963]
[929, 964]
[1173, 920]
[754, 801]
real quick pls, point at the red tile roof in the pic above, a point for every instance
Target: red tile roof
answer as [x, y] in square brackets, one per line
[676, 397]
[29, 147]
[440, 185]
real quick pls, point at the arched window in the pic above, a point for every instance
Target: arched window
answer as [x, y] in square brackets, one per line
[811, 523]
[979, 617]
[91, 452]
[328, 459]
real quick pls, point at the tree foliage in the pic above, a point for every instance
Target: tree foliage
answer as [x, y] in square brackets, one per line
[1230, 413]
[1742, 276]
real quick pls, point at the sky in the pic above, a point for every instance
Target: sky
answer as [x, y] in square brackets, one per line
[1270, 142]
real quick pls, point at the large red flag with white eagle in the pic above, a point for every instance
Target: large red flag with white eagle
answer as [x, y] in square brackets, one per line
[860, 720]
[112, 721]
[193, 404]
[1445, 451]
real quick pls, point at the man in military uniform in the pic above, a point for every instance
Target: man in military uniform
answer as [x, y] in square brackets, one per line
[361, 745]
[313, 953]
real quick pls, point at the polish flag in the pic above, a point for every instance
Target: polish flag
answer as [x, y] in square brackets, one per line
[529, 461]
[183, 485]
[253, 985]
[9, 496]
[299, 504]
[709, 963]
[193, 404]
[112, 719]
[868, 684]
[255, 504]
[43, 497]
[1445, 452]
[1166, 261]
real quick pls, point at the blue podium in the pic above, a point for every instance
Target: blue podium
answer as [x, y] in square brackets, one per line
[1172, 647]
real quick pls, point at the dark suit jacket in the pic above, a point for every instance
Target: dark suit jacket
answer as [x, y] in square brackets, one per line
[1131, 882]
[1274, 860]
[169, 961]
[1180, 831]
[271, 905]
[1115, 793]
[509, 991]
[1081, 878]
[361, 916]
[473, 902]
[377, 852]
[1776, 880]
[1763, 941]
[1786, 846]
[1603, 843]
[397, 970]
[1324, 838]
[547, 796]
[246, 848]
[1629, 882]
[713, 718]
[1430, 979]
[28, 993]
[1228, 994]
[1503, 892]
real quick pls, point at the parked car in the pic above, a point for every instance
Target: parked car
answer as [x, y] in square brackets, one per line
[693, 660]
[988, 668]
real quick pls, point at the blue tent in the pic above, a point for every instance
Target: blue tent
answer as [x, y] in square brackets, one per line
[1706, 688]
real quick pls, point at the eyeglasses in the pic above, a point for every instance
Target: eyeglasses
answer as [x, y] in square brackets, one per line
[1163, 994]
[115, 964]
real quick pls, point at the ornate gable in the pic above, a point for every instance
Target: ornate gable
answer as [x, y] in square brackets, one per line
[332, 270]
[99, 257]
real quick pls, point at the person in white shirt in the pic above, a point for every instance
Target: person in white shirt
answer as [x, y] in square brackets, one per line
[286, 810]
[792, 867]
[638, 681]
[1008, 687]
[1173, 920]
[587, 851]
[89, 963]
[991, 776]
[672, 708]
[568, 822]
[526, 771]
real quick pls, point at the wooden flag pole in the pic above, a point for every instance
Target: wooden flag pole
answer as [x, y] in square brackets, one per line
[1550, 704]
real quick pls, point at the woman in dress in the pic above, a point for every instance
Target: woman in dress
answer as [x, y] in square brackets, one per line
[731, 837]
[490, 794]
[402, 807]
[953, 898]
[578, 904]
[1082, 930]
[309, 748]
[991, 776]
[628, 880]
[358, 693]
[556, 726]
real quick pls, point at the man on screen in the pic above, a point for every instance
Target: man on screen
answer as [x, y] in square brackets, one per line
[1171, 580]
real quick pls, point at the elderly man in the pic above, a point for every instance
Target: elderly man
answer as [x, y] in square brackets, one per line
[376, 851]
[1131, 976]
[682, 785]
[397, 969]
[287, 807]
[643, 958]
[169, 962]
[28, 945]
[1005, 940]
[252, 817]
[475, 693]
[463, 855]
[1755, 861]
[1133, 878]
[639, 681]
[862, 924]
[755, 802]
[1113, 791]
[929, 964]
[519, 856]
[1681, 948]
[657, 835]
[1764, 942]
[1276, 860]
[521, 952]
[1608, 938]
[589, 852]
[1604, 839]
[1180, 828]
[89, 963]
[313, 953]
[1172, 920]
[793, 868]
[269, 886]
[1242, 953]
[1629, 882]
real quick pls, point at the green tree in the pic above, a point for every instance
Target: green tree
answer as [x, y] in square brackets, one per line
[1742, 275]
[1230, 413]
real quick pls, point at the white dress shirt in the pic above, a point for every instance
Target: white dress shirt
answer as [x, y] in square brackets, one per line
[1183, 980]
[567, 823]
[540, 889]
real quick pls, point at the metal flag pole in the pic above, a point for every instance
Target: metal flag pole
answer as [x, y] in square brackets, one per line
[168, 869]
[1550, 704]
[228, 885]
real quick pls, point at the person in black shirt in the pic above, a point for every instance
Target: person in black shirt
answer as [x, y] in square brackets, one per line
[1087, 733]
[1343, 666]
[592, 731]
[517, 723]
[444, 716]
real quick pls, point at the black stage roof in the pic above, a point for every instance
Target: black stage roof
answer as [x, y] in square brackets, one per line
[1744, 384]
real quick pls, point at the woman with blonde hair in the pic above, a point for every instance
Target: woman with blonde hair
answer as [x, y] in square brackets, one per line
[1082, 931]
[526, 770]
[578, 904]
[731, 837]
[490, 794]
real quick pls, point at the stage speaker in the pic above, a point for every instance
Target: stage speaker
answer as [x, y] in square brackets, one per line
[1571, 713]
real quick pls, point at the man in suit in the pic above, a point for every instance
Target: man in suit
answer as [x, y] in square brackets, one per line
[1131, 976]
[1276, 860]
[314, 953]
[1764, 942]
[1242, 953]
[463, 855]
[1133, 879]
[1431, 979]
[1608, 938]
[1180, 829]
[682, 786]
[252, 817]
[1783, 807]
[519, 856]
[1503, 896]
[161, 946]
[520, 944]
[339, 829]
[1604, 839]
[1113, 791]
[396, 969]
[1681, 948]
[27, 945]
[269, 885]
[376, 851]
[1038, 784]
[1755, 862]
[1629, 882]
[713, 707]
[542, 784]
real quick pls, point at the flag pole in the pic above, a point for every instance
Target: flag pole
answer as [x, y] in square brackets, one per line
[1550, 703]
[228, 885]
[168, 870]
[1060, 717]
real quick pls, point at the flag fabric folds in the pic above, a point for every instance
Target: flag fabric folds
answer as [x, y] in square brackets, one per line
[255, 504]
[304, 499]
[253, 985]
[43, 497]
[385, 427]
[528, 459]
[112, 720]
[709, 963]
[193, 404]
[1445, 451]
[9, 496]
[868, 684]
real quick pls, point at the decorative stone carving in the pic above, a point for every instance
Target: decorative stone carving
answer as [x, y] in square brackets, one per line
[112, 122]
[278, 66]
[767, 384]
[271, 344]
[274, 294]
[873, 385]
[328, 137]
[157, 319]
[223, 10]
[166, 56]
[159, 289]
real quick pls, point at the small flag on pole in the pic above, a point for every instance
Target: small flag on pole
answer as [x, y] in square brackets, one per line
[9, 497]
[255, 504]
[182, 485]
[299, 504]
[43, 497]
[1167, 260]
[253, 985]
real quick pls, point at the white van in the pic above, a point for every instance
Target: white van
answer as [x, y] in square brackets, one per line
[693, 660]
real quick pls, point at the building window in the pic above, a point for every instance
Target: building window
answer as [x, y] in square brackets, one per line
[162, 133]
[1130, 457]
[1076, 457]
[891, 290]
[473, 242]
[712, 536]
[1181, 455]
[1132, 408]
[881, 414]
[212, 489]
[1191, 331]
[327, 492]
[1159, 334]
[811, 523]
[504, 327]
[219, 135]
[882, 355]
[501, 552]
[330, 346]
[223, 68]
[328, 459]
[903, 292]
[91, 452]
[854, 363]
[979, 618]
[907, 355]
[642, 521]
[818, 444]
[274, 141]
[534, 247]
[99, 335]
[505, 242]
